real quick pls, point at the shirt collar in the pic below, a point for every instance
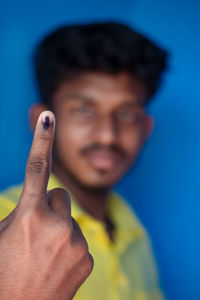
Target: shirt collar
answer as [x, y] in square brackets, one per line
[121, 214]
[76, 209]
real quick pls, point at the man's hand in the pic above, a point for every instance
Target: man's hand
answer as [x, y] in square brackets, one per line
[43, 254]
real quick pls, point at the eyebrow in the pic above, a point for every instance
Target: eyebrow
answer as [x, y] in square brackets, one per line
[132, 102]
[78, 97]
[90, 100]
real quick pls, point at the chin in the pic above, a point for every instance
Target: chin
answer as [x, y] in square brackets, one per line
[100, 181]
[90, 178]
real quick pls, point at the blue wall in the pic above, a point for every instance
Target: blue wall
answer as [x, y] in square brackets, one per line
[163, 187]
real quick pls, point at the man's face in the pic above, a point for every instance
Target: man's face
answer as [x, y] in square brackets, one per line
[100, 126]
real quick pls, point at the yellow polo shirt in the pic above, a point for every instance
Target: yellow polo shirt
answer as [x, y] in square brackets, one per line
[123, 269]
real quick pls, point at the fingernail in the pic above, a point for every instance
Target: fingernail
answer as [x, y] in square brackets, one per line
[46, 123]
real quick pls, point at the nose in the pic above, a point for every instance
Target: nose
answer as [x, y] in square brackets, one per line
[106, 130]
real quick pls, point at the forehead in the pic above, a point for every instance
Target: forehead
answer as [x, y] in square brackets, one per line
[101, 89]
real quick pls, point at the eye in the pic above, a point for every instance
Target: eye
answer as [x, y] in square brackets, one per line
[84, 110]
[127, 115]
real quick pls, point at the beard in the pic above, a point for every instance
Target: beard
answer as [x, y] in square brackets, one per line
[69, 176]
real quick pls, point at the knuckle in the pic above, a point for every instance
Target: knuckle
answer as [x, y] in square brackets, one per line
[37, 164]
[45, 136]
[30, 214]
[60, 203]
[90, 264]
[82, 250]
[60, 193]
[65, 230]
[27, 219]
[68, 232]
[62, 231]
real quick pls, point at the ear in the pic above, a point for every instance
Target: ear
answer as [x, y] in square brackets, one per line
[34, 112]
[149, 125]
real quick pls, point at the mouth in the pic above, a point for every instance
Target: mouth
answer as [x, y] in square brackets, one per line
[104, 160]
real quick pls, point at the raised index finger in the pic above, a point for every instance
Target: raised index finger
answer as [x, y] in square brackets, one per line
[38, 166]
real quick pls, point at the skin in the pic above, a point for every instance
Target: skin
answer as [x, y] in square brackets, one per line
[101, 127]
[43, 252]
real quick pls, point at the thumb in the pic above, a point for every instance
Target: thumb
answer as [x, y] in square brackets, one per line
[59, 201]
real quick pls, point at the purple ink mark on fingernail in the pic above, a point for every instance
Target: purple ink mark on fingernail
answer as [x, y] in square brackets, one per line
[46, 123]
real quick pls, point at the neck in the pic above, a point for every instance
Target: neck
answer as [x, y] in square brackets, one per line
[92, 200]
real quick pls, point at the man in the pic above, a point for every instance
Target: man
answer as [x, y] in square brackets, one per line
[43, 254]
[97, 79]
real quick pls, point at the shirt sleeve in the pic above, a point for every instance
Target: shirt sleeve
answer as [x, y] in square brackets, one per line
[9, 200]
[6, 206]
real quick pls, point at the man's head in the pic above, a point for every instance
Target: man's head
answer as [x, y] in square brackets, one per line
[97, 79]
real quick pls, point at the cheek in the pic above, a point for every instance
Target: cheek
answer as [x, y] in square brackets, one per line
[132, 141]
[69, 139]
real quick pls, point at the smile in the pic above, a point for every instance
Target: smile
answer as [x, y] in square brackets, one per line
[103, 159]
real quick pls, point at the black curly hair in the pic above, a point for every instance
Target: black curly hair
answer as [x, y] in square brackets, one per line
[109, 47]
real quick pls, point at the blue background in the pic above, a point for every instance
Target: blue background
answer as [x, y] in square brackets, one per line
[163, 187]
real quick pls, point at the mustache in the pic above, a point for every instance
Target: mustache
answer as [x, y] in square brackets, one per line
[99, 147]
